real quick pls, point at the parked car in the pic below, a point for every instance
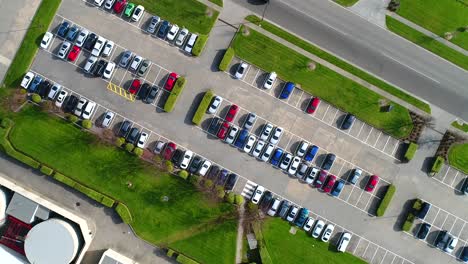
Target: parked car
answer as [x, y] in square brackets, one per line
[258, 193]
[274, 206]
[143, 67]
[183, 33]
[270, 80]
[423, 231]
[152, 94]
[231, 136]
[71, 103]
[129, 10]
[46, 39]
[171, 80]
[214, 171]
[125, 128]
[276, 157]
[287, 90]
[313, 104]
[158, 147]
[35, 84]
[195, 164]
[329, 183]
[451, 244]
[231, 181]
[285, 161]
[339, 185]
[173, 30]
[283, 211]
[54, 91]
[144, 90]
[108, 4]
[163, 29]
[64, 48]
[320, 179]
[328, 162]
[80, 107]
[250, 120]
[133, 135]
[215, 103]
[276, 135]
[186, 159]
[136, 63]
[464, 188]
[89, 64]
[142, 140]
[222, 177]
[318, 228]
[169, 150]
[267, 153]
[89, 110]
[135, 86]
[28, 77]
[153, 24]
[373, 180]
[108, 70]
[266, 200]
[138, 13]
[442, 239]
[44, 88]
[80, 40]
[308, 224]
[107, 120]
[354, 177]
[98, 2]
[301, 217]
[119, 6]
[301, 149]
[292, 213]
[177, 157]
[311, 152]
[240, 71]
[222, 132]
[424, 209]
[312, 173]
[266, 131]
[241, 139]
[61, 98]
[302, 171]
[125, 59]
[464, 255]
[72, 33]
[343, 242]
[63, 29]
[348, 121]
[258, 149]
[232, 112]
[294, 165]
[249, 144]
[90, 41]
[98, 69]
[190, 42]
[98, 46]
[108, 48]
[74, 52]
[327, 233]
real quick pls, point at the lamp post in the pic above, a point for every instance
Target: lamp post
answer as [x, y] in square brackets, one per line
[265, 9]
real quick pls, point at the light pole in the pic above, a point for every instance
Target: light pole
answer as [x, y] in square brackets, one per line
[265, 9]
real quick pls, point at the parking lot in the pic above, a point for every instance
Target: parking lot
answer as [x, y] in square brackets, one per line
[451, 178]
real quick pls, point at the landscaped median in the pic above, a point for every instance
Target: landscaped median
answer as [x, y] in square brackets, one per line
[411, 151]
[391, 189]
[320, 81]
[202, 107]
[227, 58]
[458, 157]
[174, 94]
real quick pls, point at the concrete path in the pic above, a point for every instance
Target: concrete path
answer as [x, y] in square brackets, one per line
[240, 234]
[372, 10]
[211, 5]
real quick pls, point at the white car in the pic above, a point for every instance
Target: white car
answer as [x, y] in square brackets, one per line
[250, 142]
[54, 91]
[108, 117]
[89, 109]
[136, 63]
[274, 207]
[318, 229]
[266, 132]
[189, 45]
[181, 37]
[292, 214]
[257, 196]
[109, 3]
[80, 107]
[28, 77]
[138, 13]
[327, 233]
[217, 100]
[258, 148]
[285, 161]
[186, 160]
[241, 70]
[308, 224]
[98, 46]
[98, 2]
[301, 149]
[80, 40]
[142, 140]
[45, 42]
[108, 48]
[270, 80]
[294, 165]
[109, 70]
[267, 153]
[172, 32]
[90, 63]
[61, 98]
[204, 168]
[313, 172]
[231, 136]
[344, 241]
[276, 135]
[452, 243]
[62, 53]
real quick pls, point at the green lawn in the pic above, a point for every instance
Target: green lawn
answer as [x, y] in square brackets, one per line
[285, 247]
[427, 42]
[438, 16]
[463, 127]
[78, 155]
[346, 2]
[340, 63]
[217, 2]
[458, 157]
[322, 82]
[191, 14]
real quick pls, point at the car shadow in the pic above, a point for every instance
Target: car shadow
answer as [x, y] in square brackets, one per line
[292, 148]
[261, 80]
[193, 108]
[345, 176]
[339, 121]
[401, 217]
[214, 67]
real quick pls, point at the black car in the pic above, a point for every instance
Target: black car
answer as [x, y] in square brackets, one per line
[177, 157]
[163, 29]
[144, 90]
[423, 231]
[214, 170]
[424, 209]
[442, 239]
[133, 136]
[63, 29]
[90, 41]
[465, 187]
[44, 88]
[284, 208]
[151, 95]
[222, 177]
[266, 199]
[214, 126]
[348, 121]
[99, 68]
[195, 164]
[464, 255]
[231, 181]
[71, 103]
[328, 162]
[126, 126]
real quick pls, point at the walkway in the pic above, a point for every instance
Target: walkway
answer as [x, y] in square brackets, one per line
[211, 5]
[372, 10]
[240, 234]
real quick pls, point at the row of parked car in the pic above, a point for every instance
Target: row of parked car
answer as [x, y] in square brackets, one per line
[297, 216]
[181, 37]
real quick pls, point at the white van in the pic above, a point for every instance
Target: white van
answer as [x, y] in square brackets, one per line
[344, 241]
[189, 46]
[89, 109]
[89, 64]
[274, 207]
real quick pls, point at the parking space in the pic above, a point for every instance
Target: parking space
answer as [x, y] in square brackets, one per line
[452, 178]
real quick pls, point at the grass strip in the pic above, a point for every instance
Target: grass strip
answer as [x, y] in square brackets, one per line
[346, 3]
[463, 127]
[427, 42]
[46, 170]
[411, 151]
[458, 157]
[8, 148]
[437, 166]
[199, 45]
[227, 58]
[391, 189]
[202, 107]
[330, 86]
[124, 213]
[217, 2]
[174, 95]
[339, 63]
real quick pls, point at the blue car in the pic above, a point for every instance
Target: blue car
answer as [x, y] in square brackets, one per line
[62, 31]
[35, 84]
[276, 157]
[163, 29]
[287, 90]
[222, 177]
[72, 33]
[241, 138]
[302, 217]
[310, 154]
[337, 188]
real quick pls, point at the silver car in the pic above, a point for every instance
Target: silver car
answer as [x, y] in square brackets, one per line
[266, 131]
[125, 59]
[54, 91]
[64, 49]
[108, 117]
[181, 37]
[249, 122]
[153, 24]
[217, 100]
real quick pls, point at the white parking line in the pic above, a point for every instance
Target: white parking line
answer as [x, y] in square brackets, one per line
[334, 116]
[363, 124]
[378, 138]
[372, 128]
[446, 173]
[255, 78]
[326, 111]
[454, 178]
[383, 257]
[300, 98]
[386, 143]
[375, 253]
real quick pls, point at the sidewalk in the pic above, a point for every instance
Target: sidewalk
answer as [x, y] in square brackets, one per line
[211, 5]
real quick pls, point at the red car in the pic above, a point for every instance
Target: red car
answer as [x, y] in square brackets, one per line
[74, 53]
[169, 150]
[314, 102]
[223, 130]
[119, 6]
[329, 185]
[171, 81]
[321, 179]
[373, 180]
[135, 87]
[232, 113]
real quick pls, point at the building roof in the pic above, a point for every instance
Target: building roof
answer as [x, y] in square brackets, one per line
[112, 257]
[11, 257]
[25, 209]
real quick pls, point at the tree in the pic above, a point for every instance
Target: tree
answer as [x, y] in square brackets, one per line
[36, 98]
[169, 166]
[230, 197]
[238, 199]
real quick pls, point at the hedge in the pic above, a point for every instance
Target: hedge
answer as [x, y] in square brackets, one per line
[86, 124]
[230, 197]
[185, 260]
[36, 98]
[119, 141]
[129, 147]
[124, 213]
[138, 152]
[437, 164]
[174, 95]
[411, 151]
[170, 252]
[386, 200]
[183, 174]
[72, 118]
[169, 166]
[408, 222]
[202, 107]
[239, 199]
[417, 205]
[46, 170]
[6, 123]
[6, 145]
[199, 45]
[227, 58]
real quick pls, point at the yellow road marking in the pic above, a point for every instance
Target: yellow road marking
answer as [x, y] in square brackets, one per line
[120, 91]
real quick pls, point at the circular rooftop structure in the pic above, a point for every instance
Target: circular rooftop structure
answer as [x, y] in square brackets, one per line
[51, 242]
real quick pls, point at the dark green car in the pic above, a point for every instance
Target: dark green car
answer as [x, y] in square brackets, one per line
[129, 9]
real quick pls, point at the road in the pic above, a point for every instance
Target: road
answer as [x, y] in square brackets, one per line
[372, 48]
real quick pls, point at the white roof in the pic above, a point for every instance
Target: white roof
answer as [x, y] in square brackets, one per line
[9, 256]
[3, 207]
[112, 257]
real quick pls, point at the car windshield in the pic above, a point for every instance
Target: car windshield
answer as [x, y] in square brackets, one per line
[241, 70]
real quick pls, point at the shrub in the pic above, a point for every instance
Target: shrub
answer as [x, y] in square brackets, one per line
[437, 164]
[72, 118]
[124, 213]
[6, 123]
[170, 252]
[36, 98]
[239, 199]
[230, 197]
[417, 204]
[183, 174]
[386, 200]
[199, 45]
[107, 201]
[208, 184]
[129, 147]
[220, 192]
[252, 207]
[138, 152]
[202, 107]
[227, 58]
[194, 179]
[174, 95]
[169, 166]
[407, 226]
[46, 170]
[86, 124]
[411, 151]
[119, 141]
[185, 260]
